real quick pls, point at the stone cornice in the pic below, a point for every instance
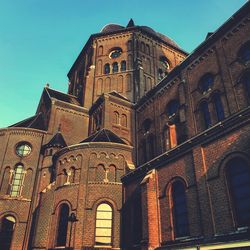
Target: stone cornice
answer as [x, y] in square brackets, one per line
[90, 145]
[23, 131]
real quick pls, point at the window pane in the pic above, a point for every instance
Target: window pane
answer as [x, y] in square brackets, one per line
[104, 223]
[103, 231]
[103, 240]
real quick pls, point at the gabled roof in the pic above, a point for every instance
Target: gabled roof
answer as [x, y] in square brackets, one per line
[62, 96]
[56, 141]
[36, 121]
[116, 94]
[104, 135]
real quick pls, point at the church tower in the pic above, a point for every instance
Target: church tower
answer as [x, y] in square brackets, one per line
[129, 60]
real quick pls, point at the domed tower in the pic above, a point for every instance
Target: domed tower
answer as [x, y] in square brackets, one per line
[130, 60]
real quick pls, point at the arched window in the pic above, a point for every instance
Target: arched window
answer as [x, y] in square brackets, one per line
[106, 68]
[130, 62]
[160, 74]
[246, 82]
[100, 51]
[101, 173]
[205, 114]
[172, 108]
[129, 45]
[116, 118]
[244, 52]
[238, 177]
[120, 84]
[151, 147]
[123, 65]
[7, 226]
[142, 46]
[169, 138]
[147, 49]
[180, 214]
[218, 107]
[165, 63]
[103, 228]
[99, 86]
[206, 83]
[107, 84]
[124, 120]
[72, 175]
[115, 67]
[146, 125]
[129, 82]
[99, 67]
[17, 181]
[5, 181]
[62, 226]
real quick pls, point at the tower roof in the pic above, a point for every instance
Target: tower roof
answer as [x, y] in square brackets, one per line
[110, 28]
[104, 135]
[56, 141]
[36, 121]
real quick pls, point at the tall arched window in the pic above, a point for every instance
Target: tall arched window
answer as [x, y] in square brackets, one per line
[103, 229]
[205, 114]
[180, 214]
[99, 67]
[62, 226]
[106, 68]
[244, 52]
[129, 82]
[206, 83]
[116, 117]
[124, 120]
[172, 108]
[115, 67]
[238, 176]
[142, 46]
[99, 86]
[107, 84]
[100, 50]
[147, 49]
[4, 188]
[246, 81]
[7, 226]
[218, 107]
[17, 181]
[123, 65]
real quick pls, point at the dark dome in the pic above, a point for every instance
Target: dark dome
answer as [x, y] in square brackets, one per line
[161, 36]
[111, 27]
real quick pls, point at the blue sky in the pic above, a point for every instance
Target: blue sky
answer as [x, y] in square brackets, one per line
[40, 39]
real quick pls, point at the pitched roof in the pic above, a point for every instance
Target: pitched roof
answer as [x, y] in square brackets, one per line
[104, 135]
[116, 94]
[56, 141]
[62, 96]
[36, 121]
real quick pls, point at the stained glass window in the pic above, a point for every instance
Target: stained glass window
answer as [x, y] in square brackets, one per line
[23, 149]
[17, 181]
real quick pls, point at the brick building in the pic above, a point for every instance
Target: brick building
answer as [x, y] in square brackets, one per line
[149, 149]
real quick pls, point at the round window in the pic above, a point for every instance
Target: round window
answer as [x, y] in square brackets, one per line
[115, 53]
[23, 149]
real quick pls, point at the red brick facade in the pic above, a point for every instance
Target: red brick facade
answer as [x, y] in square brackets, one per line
[143, 152]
